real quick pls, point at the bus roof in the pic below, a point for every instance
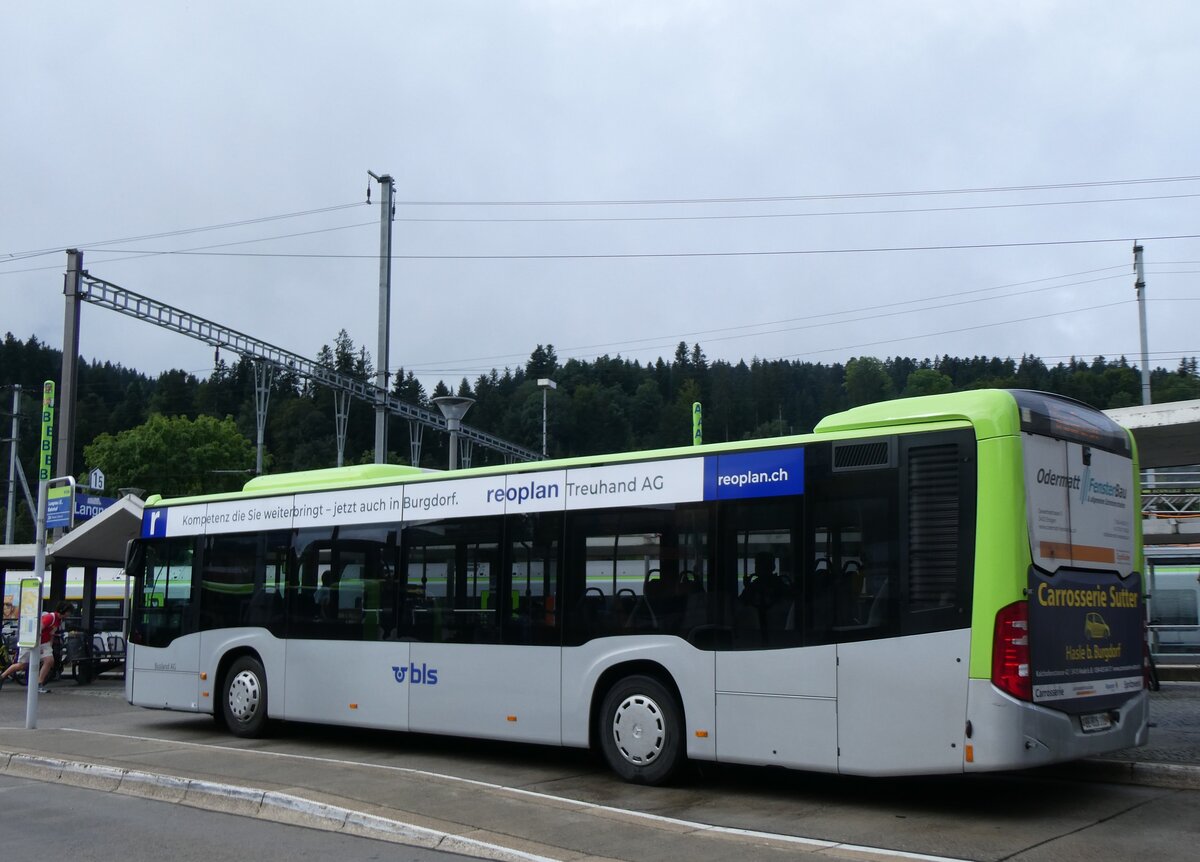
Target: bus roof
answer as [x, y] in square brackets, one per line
[991, 412]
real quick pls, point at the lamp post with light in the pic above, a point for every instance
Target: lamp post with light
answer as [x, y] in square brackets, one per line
[454, 408]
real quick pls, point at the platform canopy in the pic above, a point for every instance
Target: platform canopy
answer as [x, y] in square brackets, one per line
[1167, 435]
[99, 541]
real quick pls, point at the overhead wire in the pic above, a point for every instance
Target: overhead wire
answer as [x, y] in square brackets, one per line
[16, 256]
[211, 249]
[850, 311]
[681, 254]
[747, 216]
[955, 331]
[810, 197]
[567, 352]
[181, 231]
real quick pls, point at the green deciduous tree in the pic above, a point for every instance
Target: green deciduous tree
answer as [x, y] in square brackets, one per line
[927, 381]
[175, 456]
[867, 381]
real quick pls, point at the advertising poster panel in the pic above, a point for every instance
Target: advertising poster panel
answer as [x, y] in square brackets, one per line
[767, 473]
[1079, 505]
[1085, 636]
[30, 627]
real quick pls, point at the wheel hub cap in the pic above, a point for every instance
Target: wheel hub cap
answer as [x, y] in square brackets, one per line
[638, 730]
[244, 696]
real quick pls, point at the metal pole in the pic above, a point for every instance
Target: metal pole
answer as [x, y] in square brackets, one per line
[453, 424]
[34, 667]
[387, 189]
[262, 398]
[341, 416]
[70, 365]
[545, 384]
[1140, 287]
[415, 431]
[9, 517]
[39, 570]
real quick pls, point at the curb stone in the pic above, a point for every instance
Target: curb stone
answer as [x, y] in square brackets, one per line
[251, 802]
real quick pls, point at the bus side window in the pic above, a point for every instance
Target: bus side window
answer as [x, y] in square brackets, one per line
[166, 592]
[532, 545]
[451, 566]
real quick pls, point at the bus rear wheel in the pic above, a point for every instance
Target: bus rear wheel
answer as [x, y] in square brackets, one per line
[244, 698]
[641, 730]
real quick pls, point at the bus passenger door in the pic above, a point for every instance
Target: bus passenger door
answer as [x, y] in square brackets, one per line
[164, 650]
[776, 689]
[345, 661]
[486, 655]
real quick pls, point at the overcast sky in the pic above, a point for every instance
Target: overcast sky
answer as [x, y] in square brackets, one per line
[721, 172]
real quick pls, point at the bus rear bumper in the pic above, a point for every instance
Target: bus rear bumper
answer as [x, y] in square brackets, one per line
[1006, 733]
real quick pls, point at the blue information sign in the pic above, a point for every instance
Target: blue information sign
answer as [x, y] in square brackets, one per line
[89, 505]
[58, 507]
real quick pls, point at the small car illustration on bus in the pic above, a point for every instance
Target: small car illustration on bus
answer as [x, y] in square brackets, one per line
[1095, 627]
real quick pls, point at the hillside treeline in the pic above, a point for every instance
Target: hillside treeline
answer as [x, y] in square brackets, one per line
[606, 404]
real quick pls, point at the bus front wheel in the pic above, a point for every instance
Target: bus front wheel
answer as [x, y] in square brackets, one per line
[641, 730]
[244, 698]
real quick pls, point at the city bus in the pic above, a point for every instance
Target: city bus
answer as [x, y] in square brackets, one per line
[943, 584]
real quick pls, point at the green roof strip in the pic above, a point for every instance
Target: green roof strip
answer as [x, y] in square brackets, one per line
[308, 480]
[993, 412]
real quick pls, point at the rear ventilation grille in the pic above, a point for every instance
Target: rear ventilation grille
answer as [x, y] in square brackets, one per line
[933, 525]
[863, 456]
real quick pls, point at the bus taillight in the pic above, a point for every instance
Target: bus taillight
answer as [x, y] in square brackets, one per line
[1010, 651]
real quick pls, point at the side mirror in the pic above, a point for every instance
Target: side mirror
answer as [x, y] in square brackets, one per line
[135, 558]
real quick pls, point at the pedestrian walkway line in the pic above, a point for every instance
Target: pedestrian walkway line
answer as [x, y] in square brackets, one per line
[708, 828]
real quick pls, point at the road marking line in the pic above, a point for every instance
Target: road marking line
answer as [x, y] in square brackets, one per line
[380, 828]
[814, 843]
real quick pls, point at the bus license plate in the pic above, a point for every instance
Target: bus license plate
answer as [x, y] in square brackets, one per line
[1095, 722]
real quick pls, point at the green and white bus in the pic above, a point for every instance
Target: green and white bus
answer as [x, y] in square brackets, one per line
[932, 585]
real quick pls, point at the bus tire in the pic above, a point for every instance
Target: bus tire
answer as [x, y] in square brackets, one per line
[244, 698]
[640, 728]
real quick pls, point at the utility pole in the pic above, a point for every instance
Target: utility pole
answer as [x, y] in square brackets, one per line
[9, 519]
[68, 396]
[387, 189]
[1140, 287]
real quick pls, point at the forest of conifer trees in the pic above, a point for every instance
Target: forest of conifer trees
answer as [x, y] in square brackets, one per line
[606, 404]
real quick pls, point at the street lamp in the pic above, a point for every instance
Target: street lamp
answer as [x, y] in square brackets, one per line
[545, 384]
[454, 408]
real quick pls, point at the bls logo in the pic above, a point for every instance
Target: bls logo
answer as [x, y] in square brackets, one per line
[423, 675]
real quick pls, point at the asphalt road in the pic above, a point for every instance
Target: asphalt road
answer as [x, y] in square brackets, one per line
[53, 820]
[564, 804]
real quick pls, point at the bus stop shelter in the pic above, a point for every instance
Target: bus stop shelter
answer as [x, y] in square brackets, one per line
[96, 543]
